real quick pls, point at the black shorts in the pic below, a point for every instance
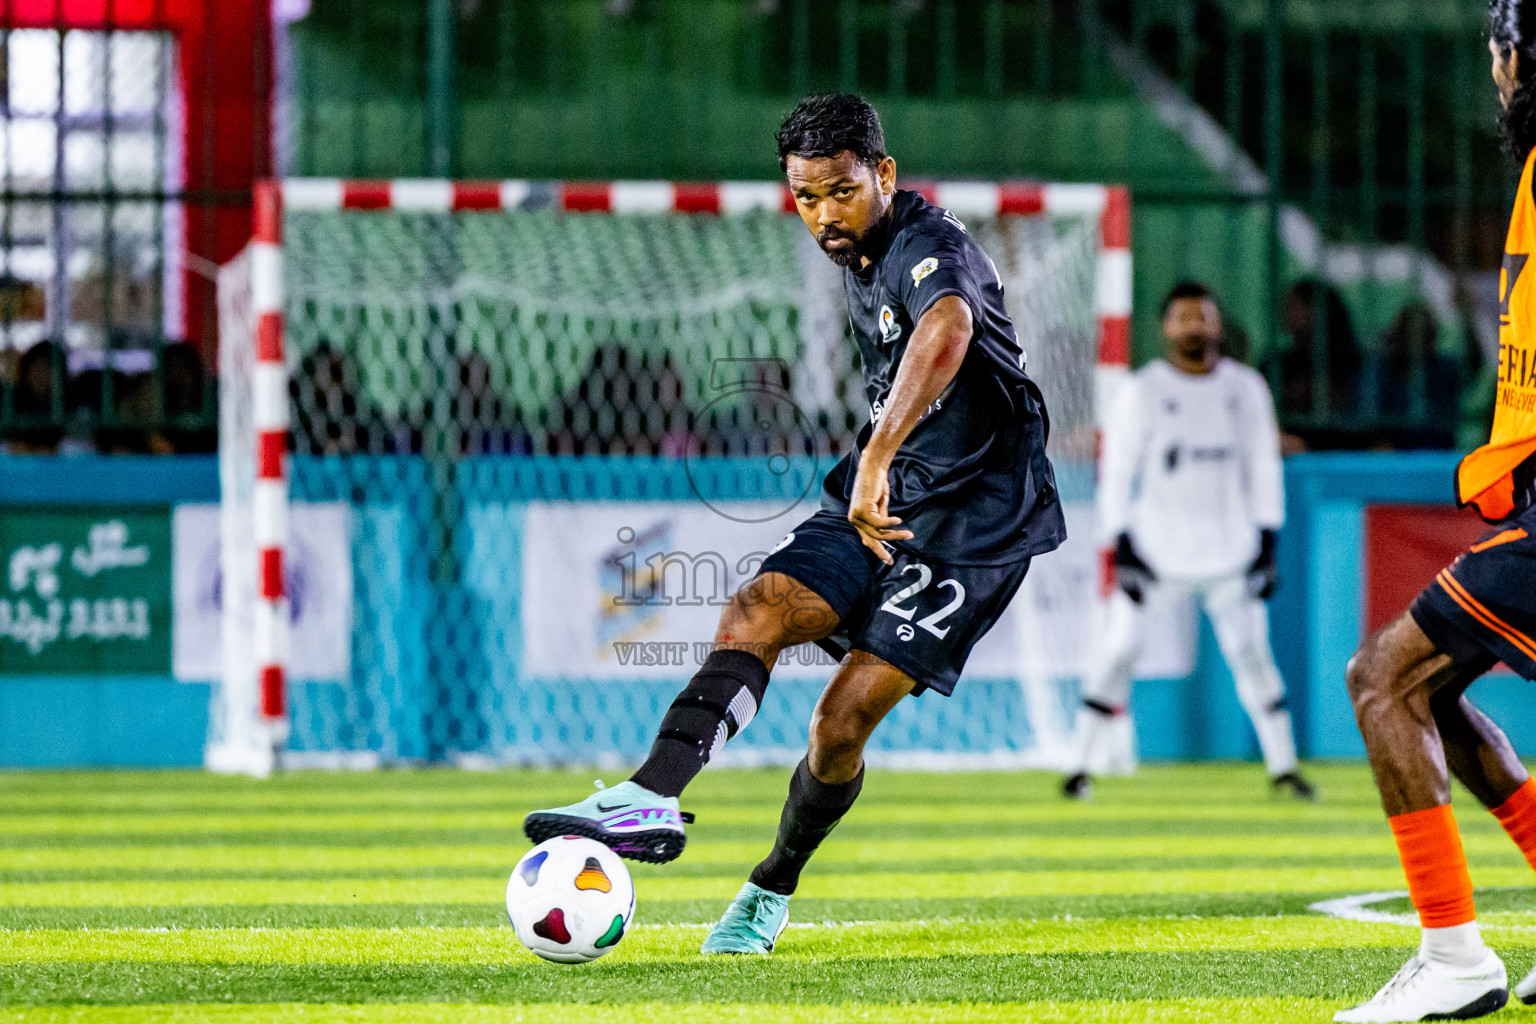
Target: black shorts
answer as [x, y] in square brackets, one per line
[1484, 605]
[922, 617]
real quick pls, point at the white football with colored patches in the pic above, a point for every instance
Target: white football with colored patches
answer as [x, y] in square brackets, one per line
[570, 900]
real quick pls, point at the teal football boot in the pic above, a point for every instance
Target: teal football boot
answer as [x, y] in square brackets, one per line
[751, 924]
[629, 819]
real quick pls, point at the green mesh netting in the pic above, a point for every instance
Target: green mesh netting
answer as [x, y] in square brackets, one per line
[450, 372]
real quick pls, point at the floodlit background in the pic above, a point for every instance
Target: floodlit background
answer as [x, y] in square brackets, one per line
[484, 405]
[558, 368]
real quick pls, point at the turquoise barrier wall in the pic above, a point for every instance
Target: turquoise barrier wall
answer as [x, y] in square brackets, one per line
[1316, 617]
[70, 721]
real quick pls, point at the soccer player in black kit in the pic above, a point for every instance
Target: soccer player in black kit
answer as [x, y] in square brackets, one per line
[923, 536]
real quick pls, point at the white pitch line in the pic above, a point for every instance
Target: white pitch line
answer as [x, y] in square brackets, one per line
[1357, 908]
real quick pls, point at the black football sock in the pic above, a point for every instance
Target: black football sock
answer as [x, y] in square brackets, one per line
[718, 702]
[812, 811]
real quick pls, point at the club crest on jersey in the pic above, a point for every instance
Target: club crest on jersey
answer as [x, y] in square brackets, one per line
[890, 330]
[923, 269]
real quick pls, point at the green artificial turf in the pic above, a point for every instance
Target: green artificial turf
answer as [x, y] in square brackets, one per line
[1180, 895]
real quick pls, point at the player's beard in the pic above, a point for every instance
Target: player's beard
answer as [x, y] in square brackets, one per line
[846, 257]
[1197, 348]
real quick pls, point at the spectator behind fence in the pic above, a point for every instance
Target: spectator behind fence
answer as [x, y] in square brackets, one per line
[330, 416]
[1478, 385]
[1411, 389]
[38, 401]
[763, 420]
[624, 405]
[1317, 321]
[122, 409]
[478, 420]
[190, 426]
[149, 411]
[152, 412]
[1236, 343]
[116, 402]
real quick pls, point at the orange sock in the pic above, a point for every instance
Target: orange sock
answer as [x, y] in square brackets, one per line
[1436, 865]
[1518, 816]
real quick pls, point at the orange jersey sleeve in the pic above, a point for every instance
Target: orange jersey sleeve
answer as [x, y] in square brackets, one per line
[1485, 478]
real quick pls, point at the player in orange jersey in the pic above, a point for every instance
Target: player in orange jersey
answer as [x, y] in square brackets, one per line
[1408, 682]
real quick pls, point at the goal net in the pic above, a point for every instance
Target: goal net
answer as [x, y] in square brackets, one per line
[541, 431]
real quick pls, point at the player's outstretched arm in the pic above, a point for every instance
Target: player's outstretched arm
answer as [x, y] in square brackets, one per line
[932, 359]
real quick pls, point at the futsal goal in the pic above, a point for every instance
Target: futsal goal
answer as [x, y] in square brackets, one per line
[494, 453]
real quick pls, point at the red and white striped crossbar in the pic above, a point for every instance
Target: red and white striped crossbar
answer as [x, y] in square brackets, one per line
[1109, 203]
[270, 413]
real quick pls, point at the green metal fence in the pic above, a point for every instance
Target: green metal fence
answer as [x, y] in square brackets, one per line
[1369, 129]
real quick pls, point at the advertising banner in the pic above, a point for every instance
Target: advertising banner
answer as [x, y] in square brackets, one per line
[86, 591]
[318, 582]
[634, 590]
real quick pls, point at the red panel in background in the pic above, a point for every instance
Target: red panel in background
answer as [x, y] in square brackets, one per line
[1405, 546]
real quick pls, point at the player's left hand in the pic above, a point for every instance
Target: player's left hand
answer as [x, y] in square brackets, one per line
[869, 508]
[1264, 573]
[1131, 573]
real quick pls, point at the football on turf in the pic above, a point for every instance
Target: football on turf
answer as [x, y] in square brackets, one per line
[570, 899]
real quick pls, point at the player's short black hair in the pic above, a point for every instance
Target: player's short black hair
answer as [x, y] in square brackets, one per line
[1512, 27]
[831, 124]
[1184, 290]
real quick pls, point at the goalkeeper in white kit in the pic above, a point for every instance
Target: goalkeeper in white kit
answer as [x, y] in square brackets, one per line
[1190, 499]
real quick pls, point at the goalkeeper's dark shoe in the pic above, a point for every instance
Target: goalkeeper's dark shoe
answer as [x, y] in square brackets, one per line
[1077, 787]
[629, 819]
[1293, 785]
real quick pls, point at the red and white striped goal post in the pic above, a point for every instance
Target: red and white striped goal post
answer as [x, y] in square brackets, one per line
[1110, 204]
[269, 401]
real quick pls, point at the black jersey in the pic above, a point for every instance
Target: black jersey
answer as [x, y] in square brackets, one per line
[972, 481]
